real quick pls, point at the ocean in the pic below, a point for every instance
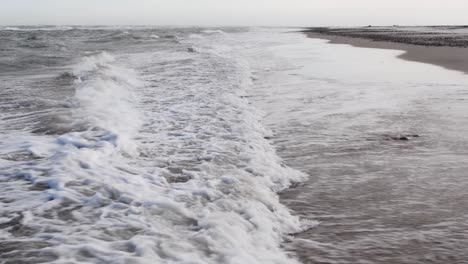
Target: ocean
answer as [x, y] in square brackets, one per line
[226, 145]
[136, 145]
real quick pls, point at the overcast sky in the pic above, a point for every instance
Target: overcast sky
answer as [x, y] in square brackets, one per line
[234, 12]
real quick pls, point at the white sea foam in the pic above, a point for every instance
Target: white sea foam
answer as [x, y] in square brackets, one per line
[209, 31]
[195, 36]
[166, 163]
[37, 28]
[106, 99]
[10, 28]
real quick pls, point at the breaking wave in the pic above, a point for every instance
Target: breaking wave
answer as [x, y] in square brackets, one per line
[164, 161]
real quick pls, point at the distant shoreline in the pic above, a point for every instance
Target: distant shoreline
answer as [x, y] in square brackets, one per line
[445, 47]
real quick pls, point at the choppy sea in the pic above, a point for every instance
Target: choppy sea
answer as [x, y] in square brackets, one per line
[226, 145]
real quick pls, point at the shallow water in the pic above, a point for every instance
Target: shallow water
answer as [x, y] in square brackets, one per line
[385, 144]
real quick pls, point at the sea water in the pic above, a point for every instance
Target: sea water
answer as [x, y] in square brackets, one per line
[136, 145]
[384, 142]
[226, 145]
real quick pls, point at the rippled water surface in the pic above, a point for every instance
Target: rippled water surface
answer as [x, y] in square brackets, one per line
[385, 143]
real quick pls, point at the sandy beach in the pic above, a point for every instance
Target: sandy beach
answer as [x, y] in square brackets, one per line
[442, 46]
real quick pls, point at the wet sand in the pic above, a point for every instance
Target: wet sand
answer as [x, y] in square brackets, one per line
[443, 46]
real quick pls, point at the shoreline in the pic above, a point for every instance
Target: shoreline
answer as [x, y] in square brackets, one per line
[449, 57]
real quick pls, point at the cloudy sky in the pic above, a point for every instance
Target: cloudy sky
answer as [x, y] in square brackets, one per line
[234, 12]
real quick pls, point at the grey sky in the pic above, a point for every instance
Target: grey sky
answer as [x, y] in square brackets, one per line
[234, 12]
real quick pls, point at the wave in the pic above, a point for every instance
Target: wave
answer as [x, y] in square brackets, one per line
[105, 97]
[195, 36]
[208, 31]
[25, 28]
[169, 163]
[71, 173]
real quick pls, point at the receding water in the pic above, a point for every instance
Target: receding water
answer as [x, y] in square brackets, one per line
[385, 142]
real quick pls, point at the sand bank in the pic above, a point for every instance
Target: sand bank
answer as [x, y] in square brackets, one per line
[442, 46]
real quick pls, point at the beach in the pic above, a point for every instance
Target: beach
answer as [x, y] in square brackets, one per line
[383, 141]
[442, 46]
